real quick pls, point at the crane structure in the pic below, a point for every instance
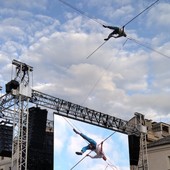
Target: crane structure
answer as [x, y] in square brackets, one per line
[14, 108]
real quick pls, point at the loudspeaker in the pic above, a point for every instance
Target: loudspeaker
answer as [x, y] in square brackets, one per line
[134, 148]
[13, 84]
[40, 142]
[37, 127]
[6, 133]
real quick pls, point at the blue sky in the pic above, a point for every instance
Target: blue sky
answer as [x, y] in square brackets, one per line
[117, 80]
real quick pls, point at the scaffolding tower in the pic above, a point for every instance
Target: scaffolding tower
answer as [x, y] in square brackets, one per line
[143, 156]
[21, 91]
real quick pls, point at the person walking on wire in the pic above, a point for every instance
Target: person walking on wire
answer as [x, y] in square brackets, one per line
[93, 146]
[118, 32]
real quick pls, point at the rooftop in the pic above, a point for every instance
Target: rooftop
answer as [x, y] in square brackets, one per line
[159, 142]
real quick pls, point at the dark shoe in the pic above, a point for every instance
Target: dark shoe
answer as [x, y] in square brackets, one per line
[106, 39]
[75, 131]
[79, 153]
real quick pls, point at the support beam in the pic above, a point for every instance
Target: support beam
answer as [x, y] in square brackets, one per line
[84, 114]
[74, 111]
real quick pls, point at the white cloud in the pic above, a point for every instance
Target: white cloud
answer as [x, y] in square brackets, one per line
[24, 4]
[159, 16]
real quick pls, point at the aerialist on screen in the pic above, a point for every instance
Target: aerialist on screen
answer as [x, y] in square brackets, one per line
[93, 146]
[118, 32]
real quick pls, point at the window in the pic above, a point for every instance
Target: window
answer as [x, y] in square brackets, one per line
[165, 128]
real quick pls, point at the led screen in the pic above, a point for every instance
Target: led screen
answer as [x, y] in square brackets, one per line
[67, 142]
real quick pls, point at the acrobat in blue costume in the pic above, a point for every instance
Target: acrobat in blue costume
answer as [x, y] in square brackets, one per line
[91, 146]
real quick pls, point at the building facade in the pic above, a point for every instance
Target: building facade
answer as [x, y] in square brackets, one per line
[159, 154]
[5, 163]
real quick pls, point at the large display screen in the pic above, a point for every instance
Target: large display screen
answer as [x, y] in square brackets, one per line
[67, 142]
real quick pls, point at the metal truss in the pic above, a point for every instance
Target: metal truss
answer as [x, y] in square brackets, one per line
[6, 102]
[7, 111]
[70, 110]
[20, 117]
[84, 114]
[22, 72]
[20, 135]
